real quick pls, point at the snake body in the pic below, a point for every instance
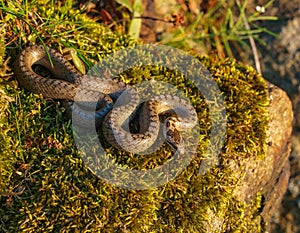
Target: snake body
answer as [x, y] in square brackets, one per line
[66, 82]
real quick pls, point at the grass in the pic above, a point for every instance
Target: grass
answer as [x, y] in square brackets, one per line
[221, 26]
[228, 28]
[45, 185]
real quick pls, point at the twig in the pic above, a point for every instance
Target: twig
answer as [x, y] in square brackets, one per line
[252, 43]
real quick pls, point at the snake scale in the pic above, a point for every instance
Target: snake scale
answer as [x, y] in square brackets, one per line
[65, 82]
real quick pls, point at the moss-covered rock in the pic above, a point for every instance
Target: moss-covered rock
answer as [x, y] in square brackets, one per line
[51, 189]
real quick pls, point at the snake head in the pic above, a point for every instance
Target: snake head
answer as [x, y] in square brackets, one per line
[172, 133]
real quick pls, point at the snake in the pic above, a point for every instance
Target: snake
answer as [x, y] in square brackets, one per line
[62, 81]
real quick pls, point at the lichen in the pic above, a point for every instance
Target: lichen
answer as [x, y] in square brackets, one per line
[51, 189]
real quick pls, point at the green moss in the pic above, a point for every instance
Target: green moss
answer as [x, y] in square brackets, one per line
[7, 157]
[246, 101]
[51, 188]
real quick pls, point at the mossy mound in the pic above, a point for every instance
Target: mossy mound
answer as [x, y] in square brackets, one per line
[51, 190]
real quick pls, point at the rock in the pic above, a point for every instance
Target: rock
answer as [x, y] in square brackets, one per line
[270, 175]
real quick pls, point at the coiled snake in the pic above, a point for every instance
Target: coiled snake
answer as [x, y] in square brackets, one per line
[65, 83]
